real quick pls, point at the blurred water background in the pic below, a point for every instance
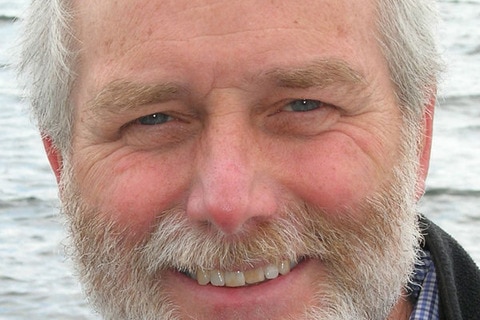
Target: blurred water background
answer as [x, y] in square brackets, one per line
[36, 280]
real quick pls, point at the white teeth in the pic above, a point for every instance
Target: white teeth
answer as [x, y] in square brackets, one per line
[217, 278]
[242, 278]
[271, 271]
[284, 267]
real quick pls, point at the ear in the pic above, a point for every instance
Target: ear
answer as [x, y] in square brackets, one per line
[54, 156]
[426, 146]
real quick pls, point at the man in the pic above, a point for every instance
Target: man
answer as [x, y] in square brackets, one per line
[247, 159]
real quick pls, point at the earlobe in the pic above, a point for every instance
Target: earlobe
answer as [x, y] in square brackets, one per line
[54, 156]
[426, 146]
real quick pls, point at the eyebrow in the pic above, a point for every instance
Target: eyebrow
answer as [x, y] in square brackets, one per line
[121, 95]
[320, 73]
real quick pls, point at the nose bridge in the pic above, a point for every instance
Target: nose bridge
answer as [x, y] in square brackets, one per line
[227, 180]
[225, 169]
[226, 154]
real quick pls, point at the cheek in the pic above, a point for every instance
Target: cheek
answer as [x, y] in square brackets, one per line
[332, 175]
[134, 189]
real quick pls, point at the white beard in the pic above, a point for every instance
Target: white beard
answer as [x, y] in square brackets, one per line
[380, 238]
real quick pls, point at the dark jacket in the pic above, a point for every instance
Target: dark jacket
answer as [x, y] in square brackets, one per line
[457, 274]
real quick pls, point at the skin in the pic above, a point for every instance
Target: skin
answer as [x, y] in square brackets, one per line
[232, 152]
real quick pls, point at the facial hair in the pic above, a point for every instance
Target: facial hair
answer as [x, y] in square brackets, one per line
[369, 252]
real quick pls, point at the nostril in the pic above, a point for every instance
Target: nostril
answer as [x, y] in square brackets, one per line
[228, 215]
[230, 212]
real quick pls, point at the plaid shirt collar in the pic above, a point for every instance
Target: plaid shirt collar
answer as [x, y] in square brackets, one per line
[423, 289]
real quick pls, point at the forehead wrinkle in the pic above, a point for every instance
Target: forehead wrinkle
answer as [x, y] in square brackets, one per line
[121, 95]
[320, 73]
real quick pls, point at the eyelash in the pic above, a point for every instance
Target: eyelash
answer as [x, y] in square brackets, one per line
[302, 105]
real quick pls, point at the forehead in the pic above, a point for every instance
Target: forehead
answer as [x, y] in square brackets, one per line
[237, 14]
[171, 19]
[123, 36]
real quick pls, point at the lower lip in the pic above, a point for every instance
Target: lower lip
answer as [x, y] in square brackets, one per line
[268, 291]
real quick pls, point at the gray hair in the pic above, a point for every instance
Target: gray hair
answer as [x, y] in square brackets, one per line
[407, 37]
[46, 67]
[49, 57]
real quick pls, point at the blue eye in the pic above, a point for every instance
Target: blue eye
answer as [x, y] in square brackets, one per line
[303, 105]
[154, 119]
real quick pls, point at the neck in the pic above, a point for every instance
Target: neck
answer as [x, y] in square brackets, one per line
[402, 310]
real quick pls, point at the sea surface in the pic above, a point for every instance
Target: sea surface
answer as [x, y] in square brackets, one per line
[36, 280]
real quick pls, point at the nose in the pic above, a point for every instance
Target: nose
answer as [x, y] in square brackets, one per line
[232, 188]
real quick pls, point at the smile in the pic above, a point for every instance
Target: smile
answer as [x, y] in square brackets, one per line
[235, 279]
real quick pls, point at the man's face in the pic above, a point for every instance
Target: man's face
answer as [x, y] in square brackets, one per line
[232, 140]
